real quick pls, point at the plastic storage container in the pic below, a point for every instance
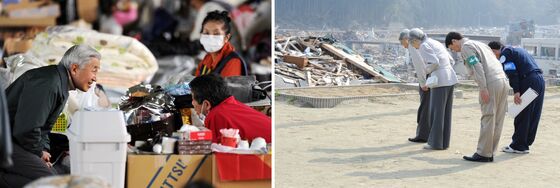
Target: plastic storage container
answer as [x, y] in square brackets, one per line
[98, 145]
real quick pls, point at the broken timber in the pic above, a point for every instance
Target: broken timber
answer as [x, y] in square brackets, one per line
[356, 62]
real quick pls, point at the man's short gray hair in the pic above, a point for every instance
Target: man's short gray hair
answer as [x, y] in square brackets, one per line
[80, 55]
[404, 34]
[417, 34]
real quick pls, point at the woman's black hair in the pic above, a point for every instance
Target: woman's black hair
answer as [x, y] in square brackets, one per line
[221, 16]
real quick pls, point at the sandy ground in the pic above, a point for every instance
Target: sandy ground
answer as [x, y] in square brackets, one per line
[346, 91]
[364, 144]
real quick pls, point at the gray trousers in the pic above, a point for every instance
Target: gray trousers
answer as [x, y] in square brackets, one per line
[423, 117]
[441, 105]
[27, 167]
[492, 119]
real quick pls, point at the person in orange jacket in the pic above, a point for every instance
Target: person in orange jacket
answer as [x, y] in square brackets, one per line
[221, 58]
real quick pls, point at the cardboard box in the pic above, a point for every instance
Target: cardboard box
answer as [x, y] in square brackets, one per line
[166, 170]
[24, 4]
[218, 183]
[52, 10]
[17, 45]
[299, 61]
[189, 147]
[202, 134]
[87, 10]
[205, 134]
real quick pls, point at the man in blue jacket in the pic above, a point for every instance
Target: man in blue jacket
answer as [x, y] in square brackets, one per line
[523, 73]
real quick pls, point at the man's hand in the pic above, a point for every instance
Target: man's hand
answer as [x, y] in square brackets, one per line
[485, 96]
[425, 88]
[46, 157]
[517, 98]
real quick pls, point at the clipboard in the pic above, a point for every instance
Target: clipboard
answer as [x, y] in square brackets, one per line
[526, 99]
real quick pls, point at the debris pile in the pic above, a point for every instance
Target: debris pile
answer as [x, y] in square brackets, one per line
[322, 61]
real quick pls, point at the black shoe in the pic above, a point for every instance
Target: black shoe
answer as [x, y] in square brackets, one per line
[478, 158]
[417, 140]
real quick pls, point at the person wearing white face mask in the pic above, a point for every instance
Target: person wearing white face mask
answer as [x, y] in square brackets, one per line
[221, 58]
[211, 99]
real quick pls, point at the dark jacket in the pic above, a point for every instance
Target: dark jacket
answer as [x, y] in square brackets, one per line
[517, 64]
[5, 140]
[35, 100]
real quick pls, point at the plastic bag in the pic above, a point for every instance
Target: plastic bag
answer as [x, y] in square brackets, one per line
[432, 81]
[20, 63]
[5, 76]
[88, 100]
[178, 89]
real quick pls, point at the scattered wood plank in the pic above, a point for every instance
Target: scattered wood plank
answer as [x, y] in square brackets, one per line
[287, 42]
[308, 78]
[315, 64]
[322, 65]
[355, 61]
[301, 62]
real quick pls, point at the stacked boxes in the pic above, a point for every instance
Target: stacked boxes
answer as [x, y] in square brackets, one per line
[194, 147]
[195, 142]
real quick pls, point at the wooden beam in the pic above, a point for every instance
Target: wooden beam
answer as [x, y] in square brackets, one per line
[301, 62]
[354, 61]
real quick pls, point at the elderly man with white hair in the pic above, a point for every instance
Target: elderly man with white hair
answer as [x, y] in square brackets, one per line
[423, 115]
[439, 65]
[35, 100]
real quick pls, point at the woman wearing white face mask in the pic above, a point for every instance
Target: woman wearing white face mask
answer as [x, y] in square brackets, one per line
[221, 58]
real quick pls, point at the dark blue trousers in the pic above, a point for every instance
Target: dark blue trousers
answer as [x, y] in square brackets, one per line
[527, 121]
